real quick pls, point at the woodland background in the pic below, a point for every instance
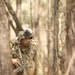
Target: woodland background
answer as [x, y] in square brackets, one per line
[53, 26]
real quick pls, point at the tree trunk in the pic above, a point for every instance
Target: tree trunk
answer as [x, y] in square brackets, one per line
[56, 24]
[70, 39]
[18, 9]
[31, 17]
[37, 37]
[50, 34]
[62, 37]
[69, 31]
[5, 52]
[18, 23]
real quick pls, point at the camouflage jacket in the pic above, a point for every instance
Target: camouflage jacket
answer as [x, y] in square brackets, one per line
[26, 56]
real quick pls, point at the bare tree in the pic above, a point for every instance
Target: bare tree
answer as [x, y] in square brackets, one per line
[69, 31]
[71, 65]
[55, 51]
[62, 37]
[70, 39]
[31, 17]
[48, 41]
[37, 37]
[50, 34]
[10, 9]
[5, 52]
[18, 9]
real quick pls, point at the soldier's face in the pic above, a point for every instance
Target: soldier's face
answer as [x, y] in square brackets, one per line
[26, 41]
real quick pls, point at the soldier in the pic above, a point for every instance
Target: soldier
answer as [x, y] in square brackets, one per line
[24, 54]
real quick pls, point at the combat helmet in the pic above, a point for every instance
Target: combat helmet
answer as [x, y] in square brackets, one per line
[25, 34]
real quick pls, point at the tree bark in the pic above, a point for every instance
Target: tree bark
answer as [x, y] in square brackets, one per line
[56, 24]
[70, 36]
[37, 37]
[31, 17]
[18, 9]
[5, 52]
[62, 37]
[50, 34]
[18, 23]
[48, 31]
[70, 39]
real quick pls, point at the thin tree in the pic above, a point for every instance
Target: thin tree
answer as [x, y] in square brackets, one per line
[37, 37]
[31, 17]
[50, 27]
[62, 37]
[55, 51]
[13, 14]
[70, 41]
[18, 9]
[69, 31]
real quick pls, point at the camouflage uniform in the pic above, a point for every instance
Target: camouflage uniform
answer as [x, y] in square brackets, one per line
[26, 56]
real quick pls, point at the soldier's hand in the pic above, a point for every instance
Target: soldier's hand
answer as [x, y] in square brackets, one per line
[16, 62]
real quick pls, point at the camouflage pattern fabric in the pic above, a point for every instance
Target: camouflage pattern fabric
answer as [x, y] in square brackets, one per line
[28, 55]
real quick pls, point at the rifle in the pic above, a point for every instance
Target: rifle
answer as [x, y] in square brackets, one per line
[21, 68]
